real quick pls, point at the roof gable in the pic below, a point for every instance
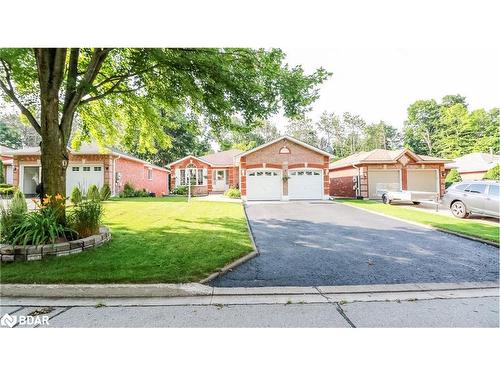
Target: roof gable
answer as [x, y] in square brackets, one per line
[288, 138]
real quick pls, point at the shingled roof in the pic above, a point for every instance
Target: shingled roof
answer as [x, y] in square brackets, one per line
[382, 156]
[221, 158]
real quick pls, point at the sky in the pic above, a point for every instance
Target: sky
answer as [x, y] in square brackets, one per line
[380, 84]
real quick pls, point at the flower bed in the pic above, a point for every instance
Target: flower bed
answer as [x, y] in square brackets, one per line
[10, 253]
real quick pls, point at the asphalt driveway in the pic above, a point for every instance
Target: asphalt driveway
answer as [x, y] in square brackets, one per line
[326, 243]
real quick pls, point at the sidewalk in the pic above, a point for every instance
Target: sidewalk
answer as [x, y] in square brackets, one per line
[398, 305]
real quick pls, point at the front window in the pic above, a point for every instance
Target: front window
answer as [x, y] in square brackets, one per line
[192, 175]
[150, 174]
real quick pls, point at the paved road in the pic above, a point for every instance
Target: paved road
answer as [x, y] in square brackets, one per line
[468, 312]
[324, 243]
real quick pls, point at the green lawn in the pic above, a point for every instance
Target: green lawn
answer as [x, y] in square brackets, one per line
[463, 226]
[154, 240]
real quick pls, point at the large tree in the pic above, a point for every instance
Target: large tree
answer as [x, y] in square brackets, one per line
[381, 135]
[240, 138]
[422, 124]
[304, 130]
[115, 92]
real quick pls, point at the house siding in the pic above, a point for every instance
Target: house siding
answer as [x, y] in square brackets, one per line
[132, 171]
[136, 173]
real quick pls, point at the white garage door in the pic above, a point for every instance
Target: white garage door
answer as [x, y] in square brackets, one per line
[379, 181]
[264, 184]
[83, 175]
[305, 184]
[423, 180]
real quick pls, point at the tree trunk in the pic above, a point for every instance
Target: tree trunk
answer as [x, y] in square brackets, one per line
[54, 153]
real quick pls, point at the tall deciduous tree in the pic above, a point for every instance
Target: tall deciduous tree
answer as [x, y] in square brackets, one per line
[119, 91]
[420, 127]
[304, 130]
[381, 135]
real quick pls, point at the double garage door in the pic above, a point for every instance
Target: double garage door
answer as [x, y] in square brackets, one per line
[84, 175]
[267, 184]
[389, 180]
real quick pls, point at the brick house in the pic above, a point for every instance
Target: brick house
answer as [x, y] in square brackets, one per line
[92, 165]
[7, 164]
[379, 170]
[474, 166]
[282, 169]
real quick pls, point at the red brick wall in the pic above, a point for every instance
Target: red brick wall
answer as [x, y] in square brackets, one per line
[341, 182]
[299, 157]
[136, 173]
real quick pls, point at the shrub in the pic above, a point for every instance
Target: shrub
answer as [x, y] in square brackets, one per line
[86, 217]
[76, 195]
[232, 192]
[40, 227]
[105, 192]
[452, 177]
[180, 190]
[128, 190]
[493, 173]
[9, 222]
[7, 190]
[18, 203]
[93, 193]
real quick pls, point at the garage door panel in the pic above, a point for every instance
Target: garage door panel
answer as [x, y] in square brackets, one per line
[84, 175]
[422, 180]
[378, 181]
[305, 184]
[264, 184]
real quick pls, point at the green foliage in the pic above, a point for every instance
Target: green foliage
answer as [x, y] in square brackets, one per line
[180, 190]
[86, 217]
[105, 192]
[240, 138]
[493, 173]
[93, 193]
[10, 219]
[452, 177]
[2, 178]
[10, 136]
[40, 227]
[18, 203]
[232, 193]
[6, 191]
[76, 195]
[130, 192]
[448, 129]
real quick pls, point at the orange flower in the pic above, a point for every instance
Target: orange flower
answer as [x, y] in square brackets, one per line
[59, 197]
[46, 201]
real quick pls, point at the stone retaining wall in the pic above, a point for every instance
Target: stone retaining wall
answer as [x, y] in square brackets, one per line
[9, 253]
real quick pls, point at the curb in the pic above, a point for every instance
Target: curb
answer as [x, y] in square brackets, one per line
[104, 290]
[197, 294]
[236, 263]
[487, 242]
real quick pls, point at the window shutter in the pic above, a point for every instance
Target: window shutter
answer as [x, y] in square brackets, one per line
[205, 176]
[177, 177]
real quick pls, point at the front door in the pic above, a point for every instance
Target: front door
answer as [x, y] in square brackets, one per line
[219, 180]
[31, 178]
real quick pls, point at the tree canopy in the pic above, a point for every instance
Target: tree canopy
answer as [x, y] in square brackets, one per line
[448, 129]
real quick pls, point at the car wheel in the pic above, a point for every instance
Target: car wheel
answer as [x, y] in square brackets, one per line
[385, 199]
[458, 210]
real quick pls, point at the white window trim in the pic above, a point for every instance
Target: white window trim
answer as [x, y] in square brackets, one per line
[150, 174]
[196, 171]
[21, 173]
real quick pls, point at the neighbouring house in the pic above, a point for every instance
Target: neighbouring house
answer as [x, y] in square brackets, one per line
[474, 166]
[7, 162]
[283, 169]
[374, 171]
[91, 164]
